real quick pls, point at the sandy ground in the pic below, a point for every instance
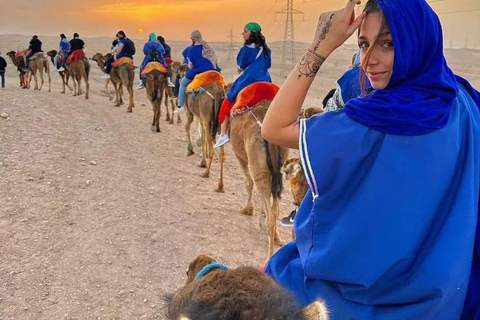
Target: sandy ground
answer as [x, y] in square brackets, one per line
[99, 216]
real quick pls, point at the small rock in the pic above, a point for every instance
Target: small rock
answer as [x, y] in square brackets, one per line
[4, 115]
[93, 163]
[89, 182]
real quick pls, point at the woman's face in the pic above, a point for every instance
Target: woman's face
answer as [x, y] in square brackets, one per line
[246, 34]
[379, 67]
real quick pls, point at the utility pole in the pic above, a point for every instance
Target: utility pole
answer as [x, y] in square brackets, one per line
[230, 46]
[288, 52]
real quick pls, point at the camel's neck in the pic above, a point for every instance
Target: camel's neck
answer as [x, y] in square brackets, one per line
[101, 63]
[14, 61]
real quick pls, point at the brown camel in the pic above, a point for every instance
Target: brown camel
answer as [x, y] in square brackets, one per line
[39, 64]
[292, 170]
[123, 75]
[261, 163]
[101, 60]
[175, 69]
[243, 293]
[206, 106]
[19, 62]
[79, 69]
[65, 75]
[155, 86]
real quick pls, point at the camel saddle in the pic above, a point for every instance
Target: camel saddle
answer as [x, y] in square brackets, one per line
[77, 54]
[169, 61]
[122, 61]
[38, 55]
[204, 79]
[253, 94]
[154, 66]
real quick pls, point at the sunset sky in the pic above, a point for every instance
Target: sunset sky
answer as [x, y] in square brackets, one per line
[175, 19]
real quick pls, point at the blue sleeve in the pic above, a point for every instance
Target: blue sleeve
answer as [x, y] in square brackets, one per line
[185, 52]
[191, 56]
[146, 49]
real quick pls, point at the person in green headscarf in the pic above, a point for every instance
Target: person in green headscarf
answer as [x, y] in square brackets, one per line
[253, 61]
[153, 51]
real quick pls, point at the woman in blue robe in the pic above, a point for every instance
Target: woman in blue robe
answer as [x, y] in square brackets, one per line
[389, 228]
[253, 61]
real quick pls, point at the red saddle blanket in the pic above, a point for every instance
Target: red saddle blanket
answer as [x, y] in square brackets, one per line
[154, 66]
[255, 93]
[77, 54]
[122, 61]
[169, 61]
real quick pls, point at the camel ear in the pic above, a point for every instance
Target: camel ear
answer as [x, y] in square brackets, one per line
[316, 311]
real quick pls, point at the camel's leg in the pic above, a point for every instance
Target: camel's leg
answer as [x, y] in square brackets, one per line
[120, 91]
[117, 99]
[35, 79]
[248, 209]
[209, 153]
[67, 76]
[187, 130]
[74, 80]
[63, 81]
[47, 68]
[110, 97]
[79, 82]
[275, 213]
[41, 76]
[130, 101]
[262, 185]
[87, 85]
[222, 158]
[167, 97]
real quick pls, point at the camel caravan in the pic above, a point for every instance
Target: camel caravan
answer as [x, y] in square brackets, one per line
[226, 113]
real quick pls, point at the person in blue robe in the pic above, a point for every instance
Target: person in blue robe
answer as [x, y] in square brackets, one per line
[253, 62]
[389, 228]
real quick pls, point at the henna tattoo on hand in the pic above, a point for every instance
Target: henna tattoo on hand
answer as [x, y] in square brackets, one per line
[310, 64]
[327, 24]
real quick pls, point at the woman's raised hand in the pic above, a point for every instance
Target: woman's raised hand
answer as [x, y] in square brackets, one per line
[335, 27]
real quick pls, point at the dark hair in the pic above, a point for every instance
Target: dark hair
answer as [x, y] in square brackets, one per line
[76, 35]
[121, 33]
[371, 6]
[115, 42]
[161, 40]
[259, 40]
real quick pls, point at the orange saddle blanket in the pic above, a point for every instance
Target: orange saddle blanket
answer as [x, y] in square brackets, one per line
[206, 78]
[122, 61]
[154, 66]
[255, 93]
[77, 54]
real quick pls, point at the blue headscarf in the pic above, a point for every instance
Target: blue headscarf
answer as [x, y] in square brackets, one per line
[422, 90]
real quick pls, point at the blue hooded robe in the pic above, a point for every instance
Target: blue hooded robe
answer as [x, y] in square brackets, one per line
[388, 229]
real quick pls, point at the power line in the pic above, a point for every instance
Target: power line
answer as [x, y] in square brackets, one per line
[288, 52]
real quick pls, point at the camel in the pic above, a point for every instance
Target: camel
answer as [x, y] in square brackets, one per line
[213, 291]
[65, 75]
[155, 86]
[123, 75]
[261, 164]
[206, 106]
[39, 64]
[19, 62]
[176, 68]
[79, 69]
[101, 60]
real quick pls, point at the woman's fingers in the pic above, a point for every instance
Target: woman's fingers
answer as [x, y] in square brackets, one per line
[356, 24]
[350, 7]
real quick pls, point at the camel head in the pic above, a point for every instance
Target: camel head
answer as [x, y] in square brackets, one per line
[11, 54]
[52, 53]
[198, 264]
[97, 57]
[179, 68]
[228, 87]
[308, 112]
[292, 168]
